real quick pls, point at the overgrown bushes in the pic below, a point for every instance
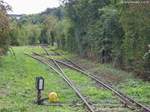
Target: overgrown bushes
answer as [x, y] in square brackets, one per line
[109, 31]
[4, 27]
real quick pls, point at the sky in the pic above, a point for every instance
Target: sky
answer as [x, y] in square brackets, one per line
[31, 6]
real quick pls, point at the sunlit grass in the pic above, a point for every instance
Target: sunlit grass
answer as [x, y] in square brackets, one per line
[123, 81]
[89, 88]
[17, 85]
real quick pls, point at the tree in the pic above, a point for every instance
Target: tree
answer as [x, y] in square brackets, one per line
[64, 35]
[48, 31]
[24, 31]
[135, 22]
[4, 27]
[83, 15]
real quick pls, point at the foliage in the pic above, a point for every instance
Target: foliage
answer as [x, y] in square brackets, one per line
[135, 22]
[119, 79]
[4, 27]
[93, 23]
[56, 12]
[36, 28]
[17, 85]
[109, 31]
[24, 32]
[64, 35]
[48, 30]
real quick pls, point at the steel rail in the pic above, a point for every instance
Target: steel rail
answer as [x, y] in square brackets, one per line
[45, 50]
[75, 89]
[71, 83]
[125, 99]
[74, 64]
[63, 75]
[64, 58]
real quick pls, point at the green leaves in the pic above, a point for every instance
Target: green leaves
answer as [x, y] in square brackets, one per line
[4, 27]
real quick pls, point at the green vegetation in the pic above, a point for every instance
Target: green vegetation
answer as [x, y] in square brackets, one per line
[137, 89]
[17, 85]
[108, 31]
[4, 27]
[34, 29]
[121, 80]
[25, 32]
[88, 87]
[111, 33]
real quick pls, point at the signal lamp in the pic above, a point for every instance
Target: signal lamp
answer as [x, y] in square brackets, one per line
[39, 87]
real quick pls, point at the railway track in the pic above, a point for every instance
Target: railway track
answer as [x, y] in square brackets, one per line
[60, 72]
[123, 98]
[127, 101]
[92, 107]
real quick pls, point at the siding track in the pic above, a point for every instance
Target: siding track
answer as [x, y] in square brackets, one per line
[127, 101]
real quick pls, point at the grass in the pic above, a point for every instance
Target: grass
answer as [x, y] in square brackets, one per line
[88, 88]
[121, 80]
[102, 99]
[137, 89]
[17, 85]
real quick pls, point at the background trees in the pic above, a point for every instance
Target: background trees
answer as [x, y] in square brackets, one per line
[48, 31]
[108, 31]
[25, 31]
[4, 27]
[135, 22]
[96, 29]
[35, 29]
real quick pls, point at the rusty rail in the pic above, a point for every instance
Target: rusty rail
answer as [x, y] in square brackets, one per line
[66, 79]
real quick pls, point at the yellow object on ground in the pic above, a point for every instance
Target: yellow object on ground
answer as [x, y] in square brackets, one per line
[53, 97]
